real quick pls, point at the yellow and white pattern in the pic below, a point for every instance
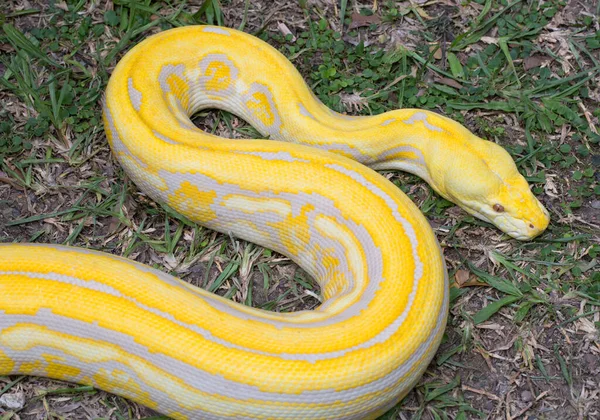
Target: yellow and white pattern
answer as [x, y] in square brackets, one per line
[98, 319]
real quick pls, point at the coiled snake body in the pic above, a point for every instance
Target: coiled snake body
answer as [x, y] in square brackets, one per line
[94, 318]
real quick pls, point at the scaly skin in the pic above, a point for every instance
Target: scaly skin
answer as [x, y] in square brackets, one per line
[97, 319]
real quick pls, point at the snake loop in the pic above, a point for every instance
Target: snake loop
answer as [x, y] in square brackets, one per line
[98, 319]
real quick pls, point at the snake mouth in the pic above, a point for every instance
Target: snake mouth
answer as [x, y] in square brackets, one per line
[522, 230]
[520, 235]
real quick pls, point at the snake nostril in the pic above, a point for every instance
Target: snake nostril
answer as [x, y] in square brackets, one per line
[531, 226]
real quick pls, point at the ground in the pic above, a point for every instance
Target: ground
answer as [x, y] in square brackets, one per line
[523, 335]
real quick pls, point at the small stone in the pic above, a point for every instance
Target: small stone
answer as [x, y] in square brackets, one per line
[14, 401]
[526, 396]
[593, 363]
[198, 269]
[596, 204]
[488, 405]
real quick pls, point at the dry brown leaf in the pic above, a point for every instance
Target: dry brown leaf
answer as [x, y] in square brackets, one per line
[434, 48]
[534, 61]
[462, 278]
[359, 20]
[10, 182]
[449, 82]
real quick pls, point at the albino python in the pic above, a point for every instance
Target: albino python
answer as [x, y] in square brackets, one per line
[94, 318]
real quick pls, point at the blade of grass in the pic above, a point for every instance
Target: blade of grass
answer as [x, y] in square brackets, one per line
[503, 44]
[496, 282]
[486, 313]
[343, 6]
[20, 42]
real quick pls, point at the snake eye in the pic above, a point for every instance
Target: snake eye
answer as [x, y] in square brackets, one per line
[498, 208]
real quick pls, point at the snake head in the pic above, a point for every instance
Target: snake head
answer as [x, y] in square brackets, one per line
[489, 186]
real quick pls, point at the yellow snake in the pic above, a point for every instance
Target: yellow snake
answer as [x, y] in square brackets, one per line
[98, 319]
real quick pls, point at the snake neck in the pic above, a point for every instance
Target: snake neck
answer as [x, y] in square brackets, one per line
[420, 142]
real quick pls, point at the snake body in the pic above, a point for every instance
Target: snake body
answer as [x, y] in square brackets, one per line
[94, 318]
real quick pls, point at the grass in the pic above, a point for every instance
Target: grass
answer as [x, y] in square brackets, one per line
[524, 343]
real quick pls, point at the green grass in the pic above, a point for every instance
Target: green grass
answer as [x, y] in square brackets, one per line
[61, 186]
